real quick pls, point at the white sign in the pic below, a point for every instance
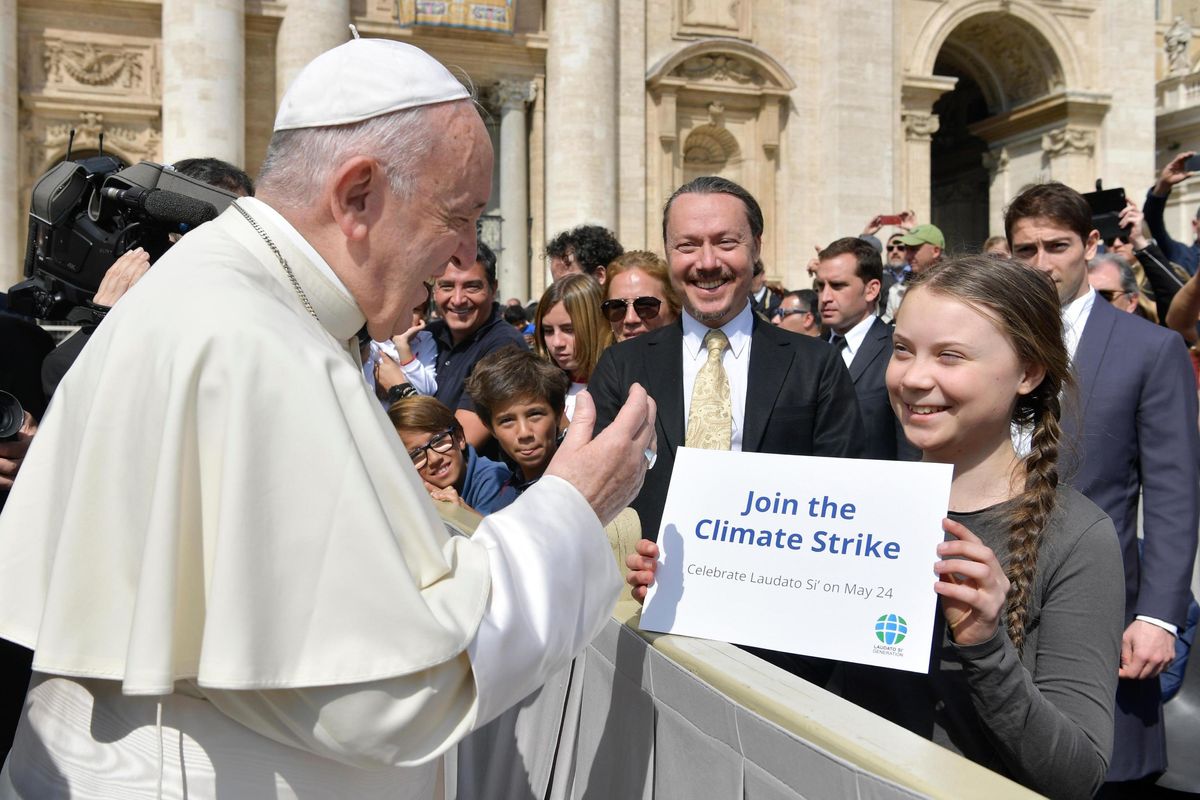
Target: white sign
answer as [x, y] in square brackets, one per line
[828, 557]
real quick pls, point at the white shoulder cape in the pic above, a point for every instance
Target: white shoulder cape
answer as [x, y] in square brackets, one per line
[213, 494]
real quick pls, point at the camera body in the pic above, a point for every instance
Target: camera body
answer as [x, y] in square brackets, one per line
[85, 214]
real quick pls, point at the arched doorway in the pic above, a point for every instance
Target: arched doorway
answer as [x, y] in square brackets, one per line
[989, 107]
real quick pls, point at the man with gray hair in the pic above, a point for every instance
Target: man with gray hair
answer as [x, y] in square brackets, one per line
[1113, 279]
[231, 574]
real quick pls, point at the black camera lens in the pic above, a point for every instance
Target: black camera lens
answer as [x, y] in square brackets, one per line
[12, 416]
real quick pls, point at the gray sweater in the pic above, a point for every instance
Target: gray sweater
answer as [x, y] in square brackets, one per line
[1044, 718]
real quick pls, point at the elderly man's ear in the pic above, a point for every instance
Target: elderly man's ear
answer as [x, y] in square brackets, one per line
[357, 194]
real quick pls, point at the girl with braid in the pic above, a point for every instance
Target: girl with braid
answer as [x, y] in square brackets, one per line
[1024, 668]
[1025, 656]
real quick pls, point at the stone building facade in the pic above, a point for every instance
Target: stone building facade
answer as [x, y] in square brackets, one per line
[829, 111]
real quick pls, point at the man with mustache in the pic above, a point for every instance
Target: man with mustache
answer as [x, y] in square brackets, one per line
[722, 377]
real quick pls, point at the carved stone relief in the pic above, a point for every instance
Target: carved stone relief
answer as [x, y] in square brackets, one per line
[1069, 141]
[73, 65]
[46, 139]
[713, 17]
[919, 127]
[1017, 55]
[720, 68]
[710, 146]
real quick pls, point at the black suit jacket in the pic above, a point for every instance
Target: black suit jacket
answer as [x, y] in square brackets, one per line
[884, 436]
[799, 400]
[1133, 429]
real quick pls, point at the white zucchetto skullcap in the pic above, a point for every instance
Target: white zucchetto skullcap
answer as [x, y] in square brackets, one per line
[365, 78]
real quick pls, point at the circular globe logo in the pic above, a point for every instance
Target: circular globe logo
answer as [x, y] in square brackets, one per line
[891, 629]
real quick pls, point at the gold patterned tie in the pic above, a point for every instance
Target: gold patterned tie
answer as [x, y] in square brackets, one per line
[710, 420]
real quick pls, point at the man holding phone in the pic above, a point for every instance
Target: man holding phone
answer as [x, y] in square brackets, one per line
[1182, 167]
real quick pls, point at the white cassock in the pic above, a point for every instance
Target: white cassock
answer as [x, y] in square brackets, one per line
[233, 579]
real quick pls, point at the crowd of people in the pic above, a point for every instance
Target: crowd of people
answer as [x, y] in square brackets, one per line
[1048, 367]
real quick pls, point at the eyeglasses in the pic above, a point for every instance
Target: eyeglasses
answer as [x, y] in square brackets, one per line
[895, 248]
[1110, 294]
[784, 313]
[646, 308]
[440, 443]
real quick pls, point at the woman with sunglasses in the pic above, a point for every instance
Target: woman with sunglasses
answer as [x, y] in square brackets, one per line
[450, 467]
[569, 331]
[638, 297]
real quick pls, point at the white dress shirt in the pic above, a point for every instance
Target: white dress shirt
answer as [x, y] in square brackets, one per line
[736, 361]
[854, 338]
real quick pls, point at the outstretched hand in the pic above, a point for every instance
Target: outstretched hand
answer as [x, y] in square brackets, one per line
[607, 470]
[121, 276]
[972, 584]
[1173, 173]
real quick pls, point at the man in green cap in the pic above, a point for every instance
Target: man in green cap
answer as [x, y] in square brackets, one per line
[924, 244]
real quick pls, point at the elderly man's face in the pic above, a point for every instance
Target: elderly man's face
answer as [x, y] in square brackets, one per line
[435, 226]
[1106, 280]
[711, 253]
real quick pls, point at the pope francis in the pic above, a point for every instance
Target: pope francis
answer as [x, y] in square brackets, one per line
[233, 580]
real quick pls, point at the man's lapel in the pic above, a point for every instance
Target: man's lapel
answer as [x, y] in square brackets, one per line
[872, 345]
[770, 362]
[1090, 352]
[664, 382]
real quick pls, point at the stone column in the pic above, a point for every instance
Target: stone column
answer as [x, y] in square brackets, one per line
[309, 28]
[918, 93]
[581, 114]
[204, 78]
[10, 179]
[512, 97]
[1071, 152]
[996, 163]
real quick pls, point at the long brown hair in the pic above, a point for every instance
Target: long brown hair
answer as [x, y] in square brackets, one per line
[581, 295]
[1024, 305]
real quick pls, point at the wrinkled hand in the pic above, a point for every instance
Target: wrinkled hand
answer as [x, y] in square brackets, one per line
[972, 584]
[447, 495]
[1173, 173]
[607, 470]
[12, 454]
[123, 274]
[642, 566]
[1146, 650]
[1131, 218]
[388, 373]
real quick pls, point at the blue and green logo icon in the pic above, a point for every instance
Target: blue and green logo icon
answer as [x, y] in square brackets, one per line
[891, 629]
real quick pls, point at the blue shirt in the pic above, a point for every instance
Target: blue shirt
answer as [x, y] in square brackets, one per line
[486, 484]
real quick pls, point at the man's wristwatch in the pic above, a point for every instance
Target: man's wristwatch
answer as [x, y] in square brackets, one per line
[399, 392]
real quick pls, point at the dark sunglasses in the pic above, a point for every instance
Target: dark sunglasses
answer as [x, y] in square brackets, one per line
[646, 308]
[1110, 294]
[440, 443]
[895, 247]
[784, 313]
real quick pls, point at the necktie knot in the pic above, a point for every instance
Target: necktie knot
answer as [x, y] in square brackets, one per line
[839, 342]
[715, 342]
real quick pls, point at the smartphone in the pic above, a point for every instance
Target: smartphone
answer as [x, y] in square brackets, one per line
[1107, 205]
[1192, 164]
[894, 219]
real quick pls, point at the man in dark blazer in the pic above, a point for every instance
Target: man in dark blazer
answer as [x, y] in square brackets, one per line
[788, 393]
[849, 274]
[1131, 429]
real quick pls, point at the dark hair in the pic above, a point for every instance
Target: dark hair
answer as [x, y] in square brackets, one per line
[422, 414]
[514, 314]
[510, 374]
[581, 297]
[1024, 304]
[713, 184]
[808, 300]
[485, 256]
[216, 172]
[869, 263]
[1054, 201]
[592, 246]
